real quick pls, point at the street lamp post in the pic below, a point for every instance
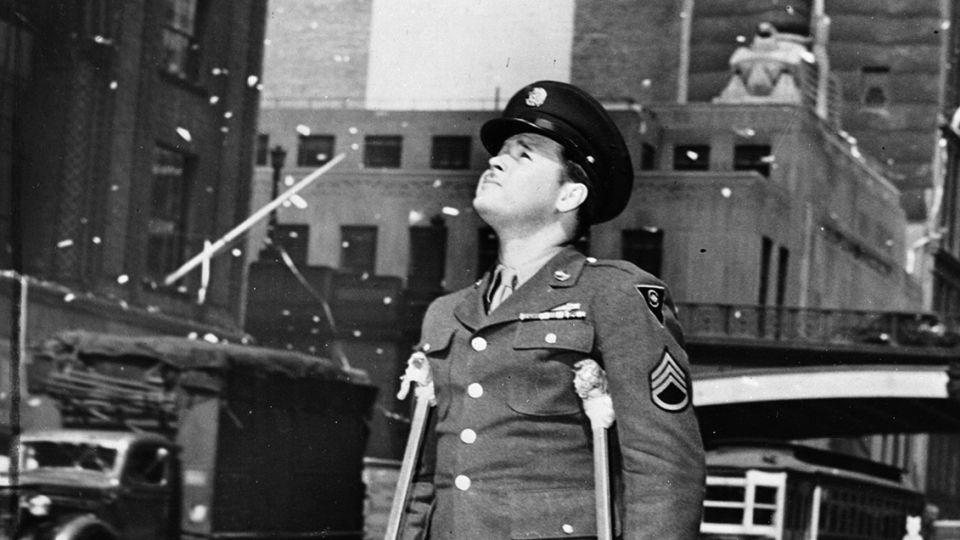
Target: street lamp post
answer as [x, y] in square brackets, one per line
[277, 157]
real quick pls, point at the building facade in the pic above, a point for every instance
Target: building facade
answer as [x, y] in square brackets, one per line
[128, 131]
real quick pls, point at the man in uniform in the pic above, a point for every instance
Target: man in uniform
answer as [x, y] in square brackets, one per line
[508, 449]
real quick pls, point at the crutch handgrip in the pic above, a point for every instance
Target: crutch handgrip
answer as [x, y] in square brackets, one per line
[590, 383]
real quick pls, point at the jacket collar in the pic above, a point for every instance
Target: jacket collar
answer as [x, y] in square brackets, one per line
[540, 293]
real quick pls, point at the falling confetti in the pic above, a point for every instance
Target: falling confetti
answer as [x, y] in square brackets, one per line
[285, 313]
[450, 211]
[214, 100]
[69, 297]
[153, 309]
[192, 335]
[321, 157]
[184, 134]
[692, 155]
[768, 159]
[113, 85]
[95, 240]
[726, 192]
[101, 40]
[354, 146]
[353, 130]
[252, 80]
[345, 244]
[114, 187]
[298, 201]
[228, 114]
[314, 25]
[357, 333]
[65, 243]
[236, 252]
[646, 83]
[387, 300]
[303, 130]
[415, 217]
[210, 338]
[224, 129]
[266, 41]
[741, 39]
[289, 180]
[790, 10]
[123, 278]
[316, 318]
[745, 132]
[437, 183]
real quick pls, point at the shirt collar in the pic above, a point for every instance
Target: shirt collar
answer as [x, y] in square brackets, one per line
[526, 270]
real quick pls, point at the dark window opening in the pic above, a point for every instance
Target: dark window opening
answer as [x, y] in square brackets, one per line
[874, 81]
[180, 46]
[644, 248]
[488, 249]
[167, 226]
[450, 152]
[358, 248]
[648, 157]
[428, 256]
[382, 151]
[752, 157]
[691, 157]
[314, 150]
[263, 149]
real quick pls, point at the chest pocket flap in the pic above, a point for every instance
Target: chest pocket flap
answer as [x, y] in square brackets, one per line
[571, 334]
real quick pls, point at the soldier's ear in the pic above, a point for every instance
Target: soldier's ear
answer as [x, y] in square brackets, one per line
[572, 195]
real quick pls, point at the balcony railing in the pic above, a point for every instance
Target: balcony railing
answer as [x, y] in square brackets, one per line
[812, 326]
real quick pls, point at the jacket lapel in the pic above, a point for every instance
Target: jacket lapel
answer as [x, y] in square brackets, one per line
[541, 292]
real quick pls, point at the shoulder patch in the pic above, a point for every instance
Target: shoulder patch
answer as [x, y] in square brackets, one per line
[653, 296]
[669, 384]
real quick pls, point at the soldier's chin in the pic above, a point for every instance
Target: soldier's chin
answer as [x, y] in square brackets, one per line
[484, 206]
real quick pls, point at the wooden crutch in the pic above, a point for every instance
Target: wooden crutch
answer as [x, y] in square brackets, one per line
[417, 373]
[590, 383]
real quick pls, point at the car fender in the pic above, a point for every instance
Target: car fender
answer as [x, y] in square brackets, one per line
[79, 527]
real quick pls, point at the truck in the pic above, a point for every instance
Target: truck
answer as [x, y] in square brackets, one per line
[166, 438]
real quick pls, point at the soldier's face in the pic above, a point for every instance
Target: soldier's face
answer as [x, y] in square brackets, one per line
[522, 183]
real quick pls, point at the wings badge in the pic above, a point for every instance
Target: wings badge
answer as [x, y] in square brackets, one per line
[669, 385]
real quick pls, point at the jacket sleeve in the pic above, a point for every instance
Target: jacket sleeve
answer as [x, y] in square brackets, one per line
[639, 342]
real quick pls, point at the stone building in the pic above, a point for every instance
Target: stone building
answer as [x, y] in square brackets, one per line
[128, 132]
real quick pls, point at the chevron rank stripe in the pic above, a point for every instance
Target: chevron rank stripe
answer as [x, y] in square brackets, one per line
[669, 385]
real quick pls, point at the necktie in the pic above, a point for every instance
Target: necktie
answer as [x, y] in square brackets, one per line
[501, 286]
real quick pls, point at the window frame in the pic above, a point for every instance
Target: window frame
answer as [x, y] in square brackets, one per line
[187, 51]
[381, 143]
[307, 157]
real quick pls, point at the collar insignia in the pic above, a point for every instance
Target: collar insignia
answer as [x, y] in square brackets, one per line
[561, 275]
[536, 97]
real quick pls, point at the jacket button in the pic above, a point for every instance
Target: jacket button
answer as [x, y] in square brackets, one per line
[478, 344]
[468, 436]
[462, 482]
[550, 338]
[567, 528]
[474, 390]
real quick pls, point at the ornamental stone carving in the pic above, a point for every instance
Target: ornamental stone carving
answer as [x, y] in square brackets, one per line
[768, 70]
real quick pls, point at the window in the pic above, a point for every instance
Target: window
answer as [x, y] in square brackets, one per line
[752, 157]
[648, 157]
[314, 150]
[450, 152]
[358, 248]
[167, 227]
[691, 157]
[147, 464]
[382, 151]
[428, 256]
[180, 46]
[294, 239]
[263, 149]
[644, 248]
[488, 247]
[875, 80]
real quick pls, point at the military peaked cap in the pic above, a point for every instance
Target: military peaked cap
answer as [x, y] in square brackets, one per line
[579, 123]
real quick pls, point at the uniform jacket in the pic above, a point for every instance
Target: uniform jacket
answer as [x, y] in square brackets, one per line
[508, 449]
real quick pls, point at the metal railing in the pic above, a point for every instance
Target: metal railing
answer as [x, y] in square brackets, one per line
[818, 326]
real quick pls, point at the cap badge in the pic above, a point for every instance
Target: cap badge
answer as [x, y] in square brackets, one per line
[560, 275]
[536, 97]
